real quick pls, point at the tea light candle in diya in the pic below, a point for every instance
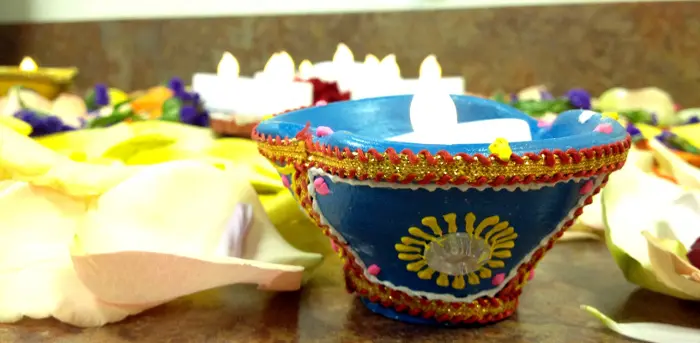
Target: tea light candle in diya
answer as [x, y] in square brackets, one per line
[48, 82]
[271, 91]
[434, 119]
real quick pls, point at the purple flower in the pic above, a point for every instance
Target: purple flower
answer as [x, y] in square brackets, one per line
[185, 96]
[665, 136]
[202, 120]
[654, 119]
[101, 95]
[513, 97]
[188, 114]
[176, 85]
[579, 98]
[633, 130]
[544, 95]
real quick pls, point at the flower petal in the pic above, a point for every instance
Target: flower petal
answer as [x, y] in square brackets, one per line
[648, 332]
[37, 279]
[177, 215]
[686, 174]
[671, 269]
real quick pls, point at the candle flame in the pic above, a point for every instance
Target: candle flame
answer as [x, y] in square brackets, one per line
[343, 55]
[371, 60]
[305, 69]
[389, 67]
[430, 69]
[280, 66]
[228, 66]
[432, 110]
[28, 64]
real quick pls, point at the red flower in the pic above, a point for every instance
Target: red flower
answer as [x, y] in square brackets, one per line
[327, 91]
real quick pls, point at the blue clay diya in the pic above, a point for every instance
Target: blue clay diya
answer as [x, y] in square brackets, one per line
[438, 233]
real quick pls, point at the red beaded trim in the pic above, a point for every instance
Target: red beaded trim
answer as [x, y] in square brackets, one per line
[614, 154]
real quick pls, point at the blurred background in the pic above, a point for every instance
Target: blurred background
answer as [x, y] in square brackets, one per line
[495, 45]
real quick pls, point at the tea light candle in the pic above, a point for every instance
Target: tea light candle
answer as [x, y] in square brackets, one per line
[391, 83]
[271, 91]
[49, 82]
[28, 65]
[433, 117]
[342, 69]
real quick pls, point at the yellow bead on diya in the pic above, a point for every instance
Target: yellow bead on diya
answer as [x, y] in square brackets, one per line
[441, 206]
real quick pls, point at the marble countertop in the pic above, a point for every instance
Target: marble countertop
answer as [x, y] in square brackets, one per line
[573, 273]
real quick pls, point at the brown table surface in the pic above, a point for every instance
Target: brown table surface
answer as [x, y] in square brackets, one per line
[573, 273]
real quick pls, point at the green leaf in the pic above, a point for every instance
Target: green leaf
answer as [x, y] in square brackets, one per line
[110, 120]
[171, 109]
[500, 97]
[637, 116]
[90, 100]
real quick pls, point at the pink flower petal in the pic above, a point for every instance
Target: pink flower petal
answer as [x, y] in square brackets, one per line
[498, 279]
[586, 188]
[321, 187]
[334, 246]
[604, 128]
[531, 275]
[285, 181]
[323, 131]
[374, 270]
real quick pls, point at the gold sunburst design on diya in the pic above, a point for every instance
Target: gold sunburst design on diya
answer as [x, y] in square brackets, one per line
[454, 255]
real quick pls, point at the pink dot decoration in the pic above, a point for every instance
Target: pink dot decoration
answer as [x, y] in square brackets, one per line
[321, 187]
[531, 275]
[498, 279]
[586, 188]
[285, 181]
[323, 131]
[321, 103]
[543, 123]
[374, 270]
[604, 128]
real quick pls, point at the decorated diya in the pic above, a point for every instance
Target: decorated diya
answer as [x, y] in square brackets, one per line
[441, 206]
[49, 82]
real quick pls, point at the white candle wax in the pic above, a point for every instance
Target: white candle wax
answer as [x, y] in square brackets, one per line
[252, 97]
[474, 132]
[378, 88]
[433, 117]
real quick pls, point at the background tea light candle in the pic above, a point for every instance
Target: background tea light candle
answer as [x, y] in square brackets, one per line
[272, 91]
[280, 66]
[433, 117]
[28, 65]
[343, 69]
[391, 83]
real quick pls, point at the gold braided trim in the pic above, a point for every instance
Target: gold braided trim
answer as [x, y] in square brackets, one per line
[487, 310]
[457, 170]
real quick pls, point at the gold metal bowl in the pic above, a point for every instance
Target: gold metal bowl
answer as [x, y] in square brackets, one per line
[48, 82]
